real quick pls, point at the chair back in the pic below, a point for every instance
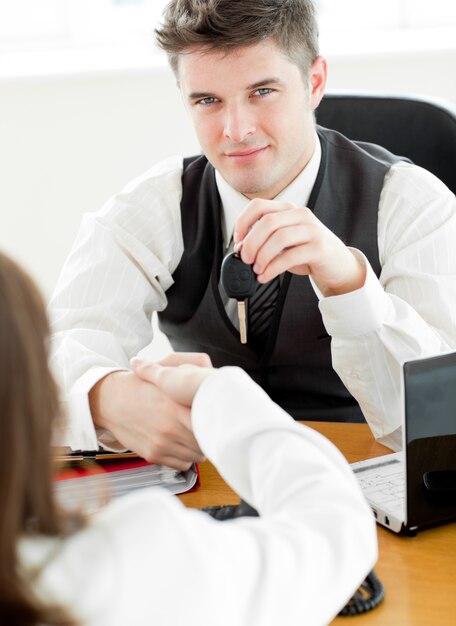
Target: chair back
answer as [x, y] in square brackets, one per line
[424, 130]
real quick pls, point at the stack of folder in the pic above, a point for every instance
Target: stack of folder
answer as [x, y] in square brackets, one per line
[85, 480]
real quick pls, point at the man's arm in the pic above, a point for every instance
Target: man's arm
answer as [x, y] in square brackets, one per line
[114, 279]
[409, 312]
[375, 324]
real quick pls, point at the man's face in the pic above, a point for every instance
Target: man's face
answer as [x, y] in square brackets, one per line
[252, 112]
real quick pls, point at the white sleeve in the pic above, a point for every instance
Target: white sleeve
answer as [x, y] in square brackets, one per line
[115, 277]
[153, 561]
[409, 312]
[316, 540]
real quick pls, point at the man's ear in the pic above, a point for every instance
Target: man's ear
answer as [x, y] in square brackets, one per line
[317, 81]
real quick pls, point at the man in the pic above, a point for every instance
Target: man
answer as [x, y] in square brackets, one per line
[360, 241]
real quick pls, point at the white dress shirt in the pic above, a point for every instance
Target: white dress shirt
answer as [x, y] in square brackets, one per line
[145, 559]
[124, 256]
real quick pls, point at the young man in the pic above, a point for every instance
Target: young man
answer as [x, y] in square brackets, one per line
[359, 244]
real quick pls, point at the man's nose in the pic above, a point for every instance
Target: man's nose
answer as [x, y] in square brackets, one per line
[238, 123]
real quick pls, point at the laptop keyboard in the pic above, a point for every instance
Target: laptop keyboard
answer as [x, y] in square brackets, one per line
[382, 489]
[383, 483]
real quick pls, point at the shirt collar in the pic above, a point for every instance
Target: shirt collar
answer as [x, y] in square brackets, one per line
[298, 192]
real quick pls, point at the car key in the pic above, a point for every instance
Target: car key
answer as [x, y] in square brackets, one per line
[239, 282]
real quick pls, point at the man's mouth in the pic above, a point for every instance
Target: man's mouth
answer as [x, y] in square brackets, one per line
[247, 155]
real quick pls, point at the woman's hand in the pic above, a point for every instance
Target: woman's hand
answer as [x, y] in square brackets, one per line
[178, 375]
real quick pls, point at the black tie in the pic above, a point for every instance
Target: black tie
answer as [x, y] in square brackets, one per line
[261, 308]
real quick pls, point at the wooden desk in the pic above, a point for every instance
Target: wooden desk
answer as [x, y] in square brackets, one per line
[418, 573]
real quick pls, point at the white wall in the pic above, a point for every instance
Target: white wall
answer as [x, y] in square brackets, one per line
[67, 144]
[431, 73]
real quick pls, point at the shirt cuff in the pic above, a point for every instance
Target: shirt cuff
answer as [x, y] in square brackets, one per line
[358, 312]
[79, 432]
[392, 440]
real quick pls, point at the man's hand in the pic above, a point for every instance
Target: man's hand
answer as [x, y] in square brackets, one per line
[144, 419]
[277, 236]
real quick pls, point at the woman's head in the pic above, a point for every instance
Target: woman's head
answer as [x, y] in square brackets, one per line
[28, 404]
[28, 408]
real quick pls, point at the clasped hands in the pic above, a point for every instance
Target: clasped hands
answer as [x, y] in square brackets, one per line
[148, 409]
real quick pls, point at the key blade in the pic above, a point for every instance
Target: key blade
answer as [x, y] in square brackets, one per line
[242, 321]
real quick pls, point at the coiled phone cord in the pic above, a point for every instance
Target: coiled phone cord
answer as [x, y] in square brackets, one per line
[367, 597]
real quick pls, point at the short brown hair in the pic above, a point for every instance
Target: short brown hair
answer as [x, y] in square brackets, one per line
[228, 24]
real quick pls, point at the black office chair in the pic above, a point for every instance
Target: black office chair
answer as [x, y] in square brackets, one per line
[424, 130]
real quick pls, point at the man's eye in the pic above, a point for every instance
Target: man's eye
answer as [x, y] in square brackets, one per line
[263, 91]
[207, 101]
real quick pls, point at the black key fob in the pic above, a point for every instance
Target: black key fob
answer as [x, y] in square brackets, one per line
[238, 279]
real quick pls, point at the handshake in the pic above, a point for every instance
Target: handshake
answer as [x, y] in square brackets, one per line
[148, 409]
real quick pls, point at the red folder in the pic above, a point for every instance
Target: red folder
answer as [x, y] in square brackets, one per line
[81, 476]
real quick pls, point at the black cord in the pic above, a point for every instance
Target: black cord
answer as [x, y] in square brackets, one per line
[367, 597]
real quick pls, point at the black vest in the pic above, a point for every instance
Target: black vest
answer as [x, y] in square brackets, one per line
[295, 367]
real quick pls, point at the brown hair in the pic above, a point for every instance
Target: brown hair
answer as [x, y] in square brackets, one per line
[28, 408]
[228, 24]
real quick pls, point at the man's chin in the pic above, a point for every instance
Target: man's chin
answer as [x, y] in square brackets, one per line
[249, 187]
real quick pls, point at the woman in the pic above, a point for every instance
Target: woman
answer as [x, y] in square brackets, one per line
[145, 558]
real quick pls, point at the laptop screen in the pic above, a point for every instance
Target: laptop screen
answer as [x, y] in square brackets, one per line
[430, 435]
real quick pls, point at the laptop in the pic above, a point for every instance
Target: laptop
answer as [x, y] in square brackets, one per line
[416, 488]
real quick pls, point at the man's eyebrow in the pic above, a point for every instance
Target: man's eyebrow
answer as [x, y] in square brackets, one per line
[265, 81]
[197, 95]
